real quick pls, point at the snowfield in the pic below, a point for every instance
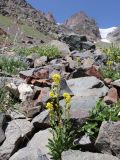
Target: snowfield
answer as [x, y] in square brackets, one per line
[105, 32]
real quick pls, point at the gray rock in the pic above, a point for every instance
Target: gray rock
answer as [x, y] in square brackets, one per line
[108, 140]
[2, 135]
[2, 122]
[86, 85]
[116, 83]
[73, 40]
[87, 91]
[29, 109]
[5, 80]
[82, 55]
[25, 92]
[36, 147]
[99, 57]
[15, 133]
[41, 120]
[88, 45]
[65, 88]
[62, 47]
[27, 73]
[40, 61]
[15, 114]
[78, 155]
[28, 154]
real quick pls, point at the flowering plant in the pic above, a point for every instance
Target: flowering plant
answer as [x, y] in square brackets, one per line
[61, 127]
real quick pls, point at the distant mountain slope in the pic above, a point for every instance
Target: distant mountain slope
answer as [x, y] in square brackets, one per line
[114, 36]
[82, 24]
[23, 11]
[26, 18]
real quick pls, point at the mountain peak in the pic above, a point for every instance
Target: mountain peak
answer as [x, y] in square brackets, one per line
[82, 24]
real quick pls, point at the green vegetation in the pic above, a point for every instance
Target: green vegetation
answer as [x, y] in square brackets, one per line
[31, 31]
[110, 70]
[49, 51]
[5, 22]
[6, 100]
[110, 73]
[113, 53]
[101, 112]
[11, 65]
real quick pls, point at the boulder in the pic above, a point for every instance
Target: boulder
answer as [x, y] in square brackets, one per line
[108, 140]
[73, 40]
[78, 155]
[41, 121]
[87, 91]
[35, 149]
[25, 92]
[15, 133]
[62, 47]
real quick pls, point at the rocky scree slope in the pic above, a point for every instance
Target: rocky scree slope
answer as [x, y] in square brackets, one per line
[24, 125]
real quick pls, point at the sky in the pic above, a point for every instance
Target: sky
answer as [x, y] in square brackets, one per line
[105, 12]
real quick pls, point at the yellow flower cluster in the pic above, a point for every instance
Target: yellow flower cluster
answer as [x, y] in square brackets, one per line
[109, 63]
[51, 94]
[49, 106]
[56, 78]
[67, 97]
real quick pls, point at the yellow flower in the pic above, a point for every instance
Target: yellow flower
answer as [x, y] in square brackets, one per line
[49, 106]
[51, 94]
[109, 63]
[67, 97]
[56, 78]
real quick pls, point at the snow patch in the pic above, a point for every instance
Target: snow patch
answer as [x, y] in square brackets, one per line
[105, 32]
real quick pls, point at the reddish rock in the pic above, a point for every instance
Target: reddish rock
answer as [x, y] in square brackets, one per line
[112, 96]
[40, 82]
[92, 71]
[41, 74]
[2, 32]
[43, 96]
[107, 81]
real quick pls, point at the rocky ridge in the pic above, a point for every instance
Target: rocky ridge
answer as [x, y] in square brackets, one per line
[82, 24]
[23, 12]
